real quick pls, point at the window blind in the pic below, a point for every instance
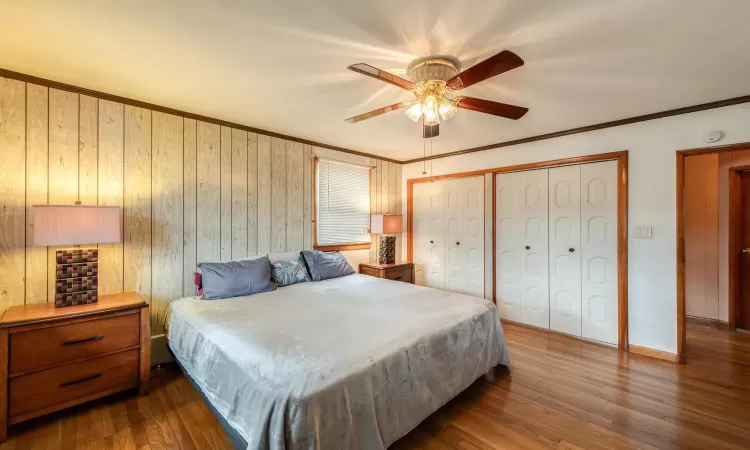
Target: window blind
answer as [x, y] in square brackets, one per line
[343, 203]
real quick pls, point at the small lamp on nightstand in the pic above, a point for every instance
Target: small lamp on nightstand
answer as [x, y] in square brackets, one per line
[384, 224]
[77, 278]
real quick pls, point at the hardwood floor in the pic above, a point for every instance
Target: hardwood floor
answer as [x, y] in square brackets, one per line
[561, 393]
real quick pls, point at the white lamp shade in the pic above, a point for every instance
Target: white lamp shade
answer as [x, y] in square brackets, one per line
[57, 225]
[384, 224]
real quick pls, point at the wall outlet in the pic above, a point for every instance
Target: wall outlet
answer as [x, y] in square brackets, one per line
[642, 232]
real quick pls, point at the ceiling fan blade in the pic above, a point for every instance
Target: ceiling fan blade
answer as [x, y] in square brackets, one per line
[490, 107]
[382, 75]
[377, 112]
[495, 65]
[430, 131]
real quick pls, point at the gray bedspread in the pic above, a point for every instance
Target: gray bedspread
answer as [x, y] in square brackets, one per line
[349, 363]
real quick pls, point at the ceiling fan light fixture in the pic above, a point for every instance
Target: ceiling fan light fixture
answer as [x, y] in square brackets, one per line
[434, 81]
[415, 111]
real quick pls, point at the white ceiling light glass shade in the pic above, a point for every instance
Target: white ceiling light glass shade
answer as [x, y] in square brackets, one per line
[415, 111]
[446, 109]
[430, 111]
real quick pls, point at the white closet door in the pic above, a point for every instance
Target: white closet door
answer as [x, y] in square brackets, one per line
[429, 235]
[420, 220]
[565, 249]
[599, 251]
[534, 267]
[471, 240]
[464, 235]
[508, 249]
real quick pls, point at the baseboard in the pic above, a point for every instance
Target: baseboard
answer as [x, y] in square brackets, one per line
[558, 333]
[652, 353]
[704, 321]
[160, 353]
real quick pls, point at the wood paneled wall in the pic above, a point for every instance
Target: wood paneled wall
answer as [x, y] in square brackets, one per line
[190, 191]
[702, 235]
[385, 198]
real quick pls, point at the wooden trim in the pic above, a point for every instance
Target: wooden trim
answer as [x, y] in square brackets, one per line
[652, 353]
[599, 126]
[715, 323]
[188, 115]
[342, 247]
[680, 256]
[622, 221]
[715, 149]
[528, 166]
[680, 156]
[622, 251]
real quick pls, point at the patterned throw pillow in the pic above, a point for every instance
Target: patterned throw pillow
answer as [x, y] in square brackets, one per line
[290, 272]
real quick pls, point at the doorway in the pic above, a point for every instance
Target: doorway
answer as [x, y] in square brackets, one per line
[739, 191]
[713, 239]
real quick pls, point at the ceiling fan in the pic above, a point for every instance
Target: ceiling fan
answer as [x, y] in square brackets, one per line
[434, 79]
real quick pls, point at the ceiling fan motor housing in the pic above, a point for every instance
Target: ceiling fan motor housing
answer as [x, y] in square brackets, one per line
[432, 68]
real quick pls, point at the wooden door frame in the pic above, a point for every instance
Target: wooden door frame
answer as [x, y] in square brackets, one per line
[622, 220]
[680, 237]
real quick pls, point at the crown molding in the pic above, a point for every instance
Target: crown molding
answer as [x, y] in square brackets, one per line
[141, 104]
[598, 126]
[177, 112]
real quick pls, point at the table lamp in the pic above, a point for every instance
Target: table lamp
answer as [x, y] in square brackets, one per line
[76, 280]
[383, 225]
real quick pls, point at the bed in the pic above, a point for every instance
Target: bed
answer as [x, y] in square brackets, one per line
[351, 362]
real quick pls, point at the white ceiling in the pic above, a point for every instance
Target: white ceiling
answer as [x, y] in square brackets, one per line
[281, 65]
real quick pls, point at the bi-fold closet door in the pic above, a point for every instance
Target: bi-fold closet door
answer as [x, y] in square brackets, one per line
[448, 235]
[556, 249]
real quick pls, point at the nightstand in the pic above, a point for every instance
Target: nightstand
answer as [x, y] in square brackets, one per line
[54, 358]
[400, 271]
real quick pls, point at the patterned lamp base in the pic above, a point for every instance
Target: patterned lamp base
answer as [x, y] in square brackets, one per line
[77, 278]
[387, 253]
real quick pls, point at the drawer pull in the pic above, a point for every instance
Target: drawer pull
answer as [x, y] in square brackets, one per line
[80, 380]
[98, 337]
[397, 278]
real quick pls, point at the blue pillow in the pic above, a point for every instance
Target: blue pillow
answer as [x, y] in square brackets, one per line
[323, 266]
[236, 278]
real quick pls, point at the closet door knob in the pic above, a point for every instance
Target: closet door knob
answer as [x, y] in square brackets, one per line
[571, 249]
[528, 248]
[458, 243]
[431, 242]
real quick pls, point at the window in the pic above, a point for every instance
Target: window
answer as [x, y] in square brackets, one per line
[343, 206]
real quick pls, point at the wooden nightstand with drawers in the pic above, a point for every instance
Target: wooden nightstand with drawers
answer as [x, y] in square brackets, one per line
[53, 358]
[400, 271]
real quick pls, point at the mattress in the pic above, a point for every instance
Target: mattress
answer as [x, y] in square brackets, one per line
[353, 362]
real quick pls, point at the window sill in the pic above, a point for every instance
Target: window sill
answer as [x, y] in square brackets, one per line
[342, 247]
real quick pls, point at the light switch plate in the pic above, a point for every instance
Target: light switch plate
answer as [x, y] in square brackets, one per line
[642, 232]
